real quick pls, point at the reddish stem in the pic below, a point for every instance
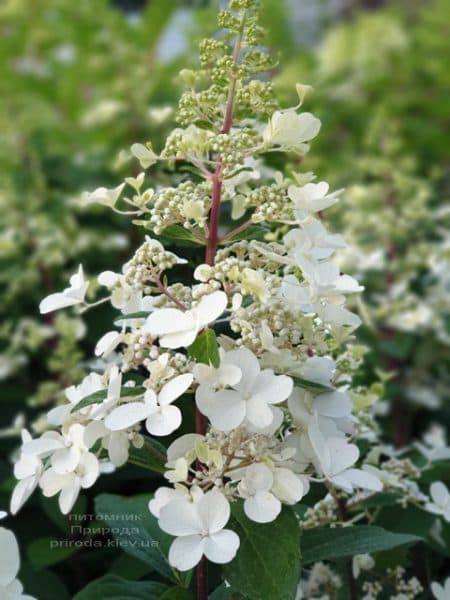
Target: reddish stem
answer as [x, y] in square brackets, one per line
[201, 574]
[210, 255]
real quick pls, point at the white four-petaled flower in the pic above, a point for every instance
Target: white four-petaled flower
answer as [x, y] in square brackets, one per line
[199, 529]
[251, 399]
[161, 417]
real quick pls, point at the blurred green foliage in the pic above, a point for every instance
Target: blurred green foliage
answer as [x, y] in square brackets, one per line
[77, 88]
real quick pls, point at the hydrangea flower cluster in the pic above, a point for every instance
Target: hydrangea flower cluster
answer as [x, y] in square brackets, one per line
[273, 406]
[256, 342]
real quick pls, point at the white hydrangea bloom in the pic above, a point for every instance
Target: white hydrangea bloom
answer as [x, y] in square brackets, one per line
[10, 586]
[250, 399]
[440, 497]
[441, 592]
[199, 529]
[290, 130]
[161, 418]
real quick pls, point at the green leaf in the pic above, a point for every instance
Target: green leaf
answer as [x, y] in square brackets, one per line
[267, 565]
[177, 233]
[99, 396]
[205, 349]
[325, 543]
[381, 499]
[129, 567]
[116, 588]
[416, 522]
[41, 553]
[136, 530]
[254, 232]
[42, 583]
[312, 386]
[223, 592]
[177, 593]
[152, 456]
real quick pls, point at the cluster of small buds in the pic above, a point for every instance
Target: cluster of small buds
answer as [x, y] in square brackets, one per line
[371, 590]
[322, 582]
[235, 146]
[204, 289]
[148, 262]
[225, 69]
[258, 61]
[210, 50]
[256, 97]
[243, 4]
[239, 249]
[271, 204]
[195, 106]
[351, 359]
[322, 513]
[163, 366]
[187, 204]
[257, 260]
[138, 349]
[224, 270]
[293, 332]
[405, 589]
[402, 467]
[227, 20]
[182, 293]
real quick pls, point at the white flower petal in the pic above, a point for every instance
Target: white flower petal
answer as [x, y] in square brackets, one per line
[334, 404]
[168, 320]
[221, 547]
[186, 552]
[247, 362]
[440, 493]
[107, 343]
[181, 446]
[211, 307]
[118, 446]
[287, 486]
[55, 302]
[108, 278]
[65, 460]
[263, 507]
[90, 469]
[126, 415]
[258, 413]
[10, 561]
[225, 409]
[175, 388]
[272, 389]
[42, 446]
[214, 511]
[363, 479]
[68, 496]
[180, 517]
[164, 421]
[343, 454]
